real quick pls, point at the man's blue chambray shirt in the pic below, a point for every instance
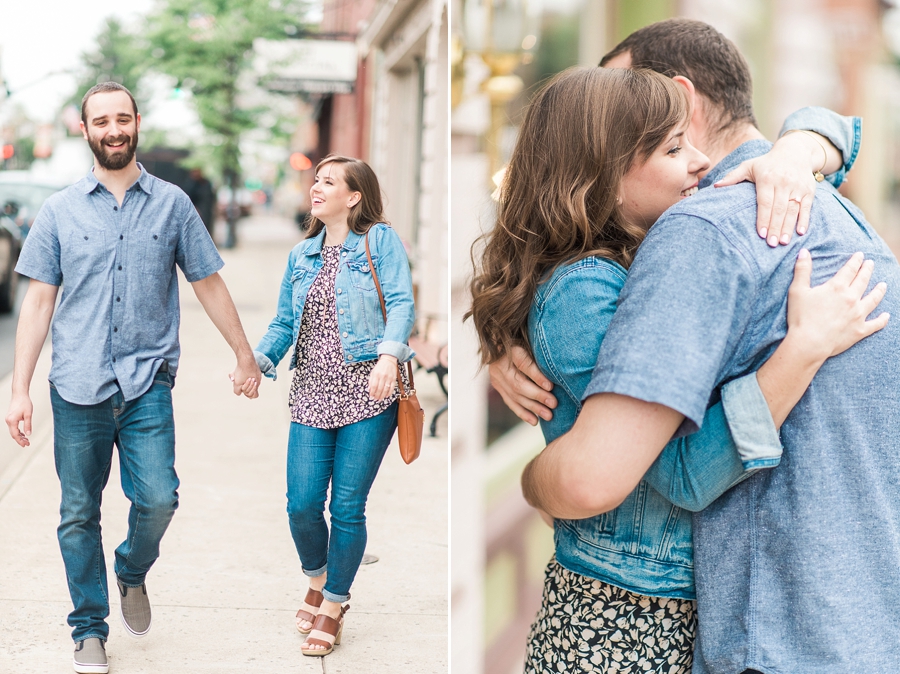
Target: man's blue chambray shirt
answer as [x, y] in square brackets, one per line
[118, 317]
[797, 569]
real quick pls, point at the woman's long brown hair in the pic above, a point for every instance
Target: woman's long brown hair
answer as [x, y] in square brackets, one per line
[558, 203]
[359, 177]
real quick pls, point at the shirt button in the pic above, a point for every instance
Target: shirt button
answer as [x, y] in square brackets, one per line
[115, 329]
[115, 208]
[345, 334]
[120, 267]
[340, 311]
[349, 357]
[121, 237]
[339, 291]
[118, 299]
[344, 254]
[114, 359]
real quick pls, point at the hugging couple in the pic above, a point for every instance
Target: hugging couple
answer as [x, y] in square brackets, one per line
[721, 470]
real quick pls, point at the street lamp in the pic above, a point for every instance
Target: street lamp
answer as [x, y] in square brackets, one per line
[495, 30]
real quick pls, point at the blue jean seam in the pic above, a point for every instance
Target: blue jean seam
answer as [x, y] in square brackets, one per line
[132, 534]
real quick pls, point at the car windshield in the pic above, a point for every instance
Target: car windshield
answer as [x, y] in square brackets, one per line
[26, 196]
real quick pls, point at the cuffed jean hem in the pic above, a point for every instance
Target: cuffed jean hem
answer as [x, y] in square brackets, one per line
[103, 637]
[336, 598]
[316, 573]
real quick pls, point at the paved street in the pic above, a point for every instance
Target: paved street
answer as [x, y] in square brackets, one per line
[228, 583]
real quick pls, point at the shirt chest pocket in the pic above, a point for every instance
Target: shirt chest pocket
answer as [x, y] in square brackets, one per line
[88, 251]
[157, 251]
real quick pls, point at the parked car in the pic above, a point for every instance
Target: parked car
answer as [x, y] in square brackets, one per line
[21, 197]
[10, 246]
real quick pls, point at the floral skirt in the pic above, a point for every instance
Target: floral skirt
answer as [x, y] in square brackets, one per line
[586, 625]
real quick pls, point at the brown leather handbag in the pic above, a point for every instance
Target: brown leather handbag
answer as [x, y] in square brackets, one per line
[410, 415]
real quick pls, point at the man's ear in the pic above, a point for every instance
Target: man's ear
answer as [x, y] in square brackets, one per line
[137, 122]
[83, 130]
[688, 86]
[698, 116]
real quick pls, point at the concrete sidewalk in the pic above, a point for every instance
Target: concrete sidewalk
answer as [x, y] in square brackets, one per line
[228, 582]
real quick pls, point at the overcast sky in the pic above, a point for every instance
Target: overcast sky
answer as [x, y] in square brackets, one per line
[39, 37]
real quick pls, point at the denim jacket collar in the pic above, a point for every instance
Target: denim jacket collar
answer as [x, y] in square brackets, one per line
[314, 247]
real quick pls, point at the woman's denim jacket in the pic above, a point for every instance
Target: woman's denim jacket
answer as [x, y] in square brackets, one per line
[645, 545]
[363, 331]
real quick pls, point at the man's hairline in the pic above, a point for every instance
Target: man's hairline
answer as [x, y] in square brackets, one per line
[134, 114]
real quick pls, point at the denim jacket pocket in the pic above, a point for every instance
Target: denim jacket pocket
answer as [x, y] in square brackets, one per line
[366, 314]
[301, 279]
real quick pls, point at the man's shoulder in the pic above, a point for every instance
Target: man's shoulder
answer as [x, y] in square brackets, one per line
[158, 186]
[719, 206]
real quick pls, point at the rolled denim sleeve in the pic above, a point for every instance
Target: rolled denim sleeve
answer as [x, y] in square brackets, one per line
[396, 286]
[845, 133]
[280, 335]
[738, 438]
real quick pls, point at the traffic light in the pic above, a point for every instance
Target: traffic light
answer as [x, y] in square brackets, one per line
[300, 162]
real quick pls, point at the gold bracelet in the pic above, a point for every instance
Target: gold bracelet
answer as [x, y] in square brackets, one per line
[816, 174]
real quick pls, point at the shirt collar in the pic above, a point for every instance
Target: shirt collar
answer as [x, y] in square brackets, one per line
[745, 151]
[144, 181]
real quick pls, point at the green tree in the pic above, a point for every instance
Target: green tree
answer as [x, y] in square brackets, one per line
[208, 45]
[121, 56]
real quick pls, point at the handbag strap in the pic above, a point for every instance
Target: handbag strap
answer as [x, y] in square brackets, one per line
[412, 383]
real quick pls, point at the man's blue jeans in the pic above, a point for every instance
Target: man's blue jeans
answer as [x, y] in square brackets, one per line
[144, 432]
[347, 457]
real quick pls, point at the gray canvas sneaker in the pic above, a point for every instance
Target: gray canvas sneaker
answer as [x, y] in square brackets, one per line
[90, 657]
[135, 609]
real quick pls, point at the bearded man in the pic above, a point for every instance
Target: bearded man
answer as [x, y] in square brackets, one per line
[112, 240]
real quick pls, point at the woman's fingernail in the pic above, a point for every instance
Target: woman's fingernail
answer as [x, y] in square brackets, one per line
[773, 241]
[763, 232]
[800, 231]
[803, 254]
[786, 238]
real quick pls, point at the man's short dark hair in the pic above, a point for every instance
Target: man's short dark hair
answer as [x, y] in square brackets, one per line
[103, 88]
[699, 52]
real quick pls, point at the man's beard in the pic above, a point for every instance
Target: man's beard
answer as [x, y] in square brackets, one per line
[119, 160]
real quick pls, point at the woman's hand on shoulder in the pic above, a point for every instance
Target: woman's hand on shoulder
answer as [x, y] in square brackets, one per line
[383, 377]
[830, 318]
[785, 188]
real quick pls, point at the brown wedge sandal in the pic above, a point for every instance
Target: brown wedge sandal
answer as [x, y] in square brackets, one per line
[326, 632]
[310, 609]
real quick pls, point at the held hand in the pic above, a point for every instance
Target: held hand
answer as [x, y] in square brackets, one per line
[20, 411]
[785, 189]
[383, 377]
[245, 379]
[830, 318]
[523, 387]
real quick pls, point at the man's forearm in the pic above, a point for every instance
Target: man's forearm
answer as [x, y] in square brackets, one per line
[34, 324]
[592, 468]
[217, 302]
